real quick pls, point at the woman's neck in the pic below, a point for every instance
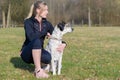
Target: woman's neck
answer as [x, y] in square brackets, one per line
[39, 18]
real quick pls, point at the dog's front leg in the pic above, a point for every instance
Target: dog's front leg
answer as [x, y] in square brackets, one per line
[53, 66]
[59, 65]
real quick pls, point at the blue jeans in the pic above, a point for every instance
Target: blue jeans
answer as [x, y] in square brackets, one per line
[26, 54]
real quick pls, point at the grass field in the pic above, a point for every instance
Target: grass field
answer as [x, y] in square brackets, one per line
[91, 54]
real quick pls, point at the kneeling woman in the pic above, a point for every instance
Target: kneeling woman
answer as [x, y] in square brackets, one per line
[36, 28]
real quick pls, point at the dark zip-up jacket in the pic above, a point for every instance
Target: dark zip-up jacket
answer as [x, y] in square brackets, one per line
[34, 31]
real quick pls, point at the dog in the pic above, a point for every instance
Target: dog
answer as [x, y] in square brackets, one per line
[54, 41]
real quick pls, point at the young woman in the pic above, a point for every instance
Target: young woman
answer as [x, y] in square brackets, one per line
[36, 28]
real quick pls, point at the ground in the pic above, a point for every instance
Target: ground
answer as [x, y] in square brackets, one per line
[91, 54]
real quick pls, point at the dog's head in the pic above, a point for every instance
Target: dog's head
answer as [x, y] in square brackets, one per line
[65, 27]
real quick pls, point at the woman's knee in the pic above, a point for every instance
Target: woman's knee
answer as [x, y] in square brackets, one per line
[47, 60]
[46, 57]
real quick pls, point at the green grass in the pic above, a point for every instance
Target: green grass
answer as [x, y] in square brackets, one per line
[91, 54]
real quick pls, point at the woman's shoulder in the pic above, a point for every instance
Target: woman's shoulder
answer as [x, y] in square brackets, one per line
[28, 21]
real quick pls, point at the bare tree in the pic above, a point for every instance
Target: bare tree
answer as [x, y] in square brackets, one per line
[8, 16]
[3, 18]
[2, 5]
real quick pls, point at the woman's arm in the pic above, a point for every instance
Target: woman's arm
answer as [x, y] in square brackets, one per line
[51, 28]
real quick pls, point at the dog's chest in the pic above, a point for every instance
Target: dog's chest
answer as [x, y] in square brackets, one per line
[57, 55]
[53, 45]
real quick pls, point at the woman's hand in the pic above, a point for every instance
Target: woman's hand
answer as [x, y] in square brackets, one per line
[61, 47]
[48, 35]
[40, 74]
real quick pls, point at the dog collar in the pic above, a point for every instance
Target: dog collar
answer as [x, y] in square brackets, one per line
[55, 38]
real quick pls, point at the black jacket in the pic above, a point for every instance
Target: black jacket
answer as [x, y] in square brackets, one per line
[32, 30]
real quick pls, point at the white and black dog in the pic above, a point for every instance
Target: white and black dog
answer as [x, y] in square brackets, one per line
[55, 40]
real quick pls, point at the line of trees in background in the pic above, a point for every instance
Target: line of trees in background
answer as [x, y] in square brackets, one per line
[90, 12]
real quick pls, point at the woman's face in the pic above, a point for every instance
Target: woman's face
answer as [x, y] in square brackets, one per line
[43, 12]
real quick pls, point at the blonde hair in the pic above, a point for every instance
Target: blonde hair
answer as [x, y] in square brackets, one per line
[34, 6]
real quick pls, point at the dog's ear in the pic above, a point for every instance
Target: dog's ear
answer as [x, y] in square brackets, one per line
[63, 22]
[61, 26]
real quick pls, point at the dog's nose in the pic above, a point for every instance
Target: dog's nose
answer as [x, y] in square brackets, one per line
[72, 29]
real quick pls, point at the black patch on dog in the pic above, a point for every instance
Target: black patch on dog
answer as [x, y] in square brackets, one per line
[61, 25]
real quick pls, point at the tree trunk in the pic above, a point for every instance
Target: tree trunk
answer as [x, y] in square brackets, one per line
[3, 19]
[8, 16]
[89, 17]
[100, 22]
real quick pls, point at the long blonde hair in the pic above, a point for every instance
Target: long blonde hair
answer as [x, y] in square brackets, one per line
[34, 6]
